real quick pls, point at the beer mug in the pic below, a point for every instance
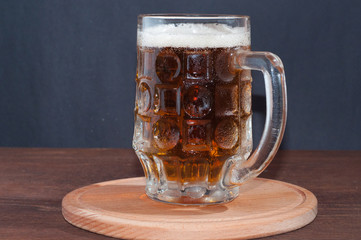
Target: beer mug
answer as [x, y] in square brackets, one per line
[193, 117]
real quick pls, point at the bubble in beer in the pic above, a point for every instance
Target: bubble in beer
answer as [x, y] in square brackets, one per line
[167, 66]
[166, 134]
[197, 135]
[226, 100]
[197, 101]
[197, 65]
[223, 66]
[226, 134]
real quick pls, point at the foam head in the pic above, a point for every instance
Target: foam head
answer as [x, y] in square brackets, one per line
[192, 35]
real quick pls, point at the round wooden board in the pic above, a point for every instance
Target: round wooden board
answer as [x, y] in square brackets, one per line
[121, 209]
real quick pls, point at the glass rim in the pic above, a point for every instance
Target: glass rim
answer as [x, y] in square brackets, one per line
[192, 16]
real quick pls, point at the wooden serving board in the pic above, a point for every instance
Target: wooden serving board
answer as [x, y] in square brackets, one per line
[121, 209]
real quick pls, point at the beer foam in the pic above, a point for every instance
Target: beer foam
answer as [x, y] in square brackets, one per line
[194, 36]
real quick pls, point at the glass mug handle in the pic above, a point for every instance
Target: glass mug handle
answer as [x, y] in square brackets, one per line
[237, 172]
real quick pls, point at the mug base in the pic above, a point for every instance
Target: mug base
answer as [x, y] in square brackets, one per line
[194, 195]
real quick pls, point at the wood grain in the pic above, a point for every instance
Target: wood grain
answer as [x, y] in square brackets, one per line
[34, 181]
[121, 209]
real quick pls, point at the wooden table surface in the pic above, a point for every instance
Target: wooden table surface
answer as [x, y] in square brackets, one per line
[34, 181]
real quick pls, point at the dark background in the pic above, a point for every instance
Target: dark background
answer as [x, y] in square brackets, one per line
[67, 69]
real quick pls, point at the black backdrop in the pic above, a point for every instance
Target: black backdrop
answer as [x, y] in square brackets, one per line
[67, 68]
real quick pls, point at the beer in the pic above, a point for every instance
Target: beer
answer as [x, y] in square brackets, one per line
[193, 109]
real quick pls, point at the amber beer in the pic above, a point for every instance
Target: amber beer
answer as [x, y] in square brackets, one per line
[192, 113]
